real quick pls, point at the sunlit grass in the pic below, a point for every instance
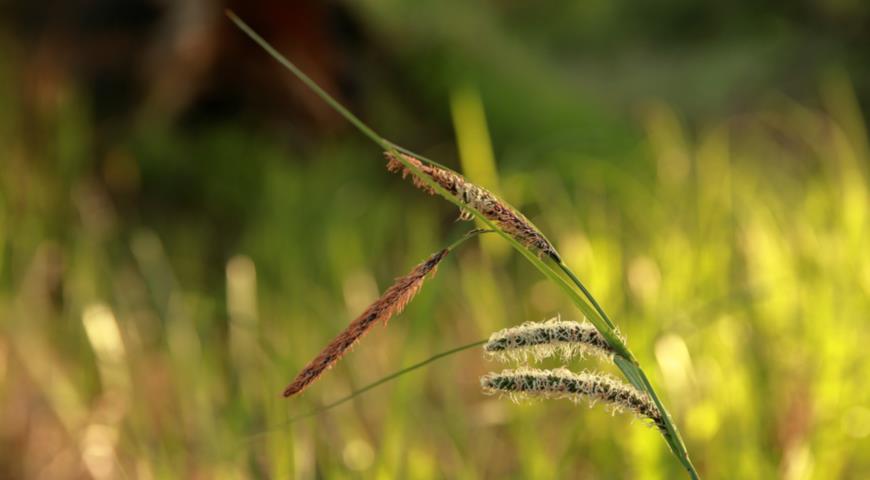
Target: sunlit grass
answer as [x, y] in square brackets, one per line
[132, 345]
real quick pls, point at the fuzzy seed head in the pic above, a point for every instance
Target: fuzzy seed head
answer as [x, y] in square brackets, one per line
[478, 198]
[540, 340]
[529, 383]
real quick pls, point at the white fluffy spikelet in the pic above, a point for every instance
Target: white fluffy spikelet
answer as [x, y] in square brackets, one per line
[528, 383]
[540, 340]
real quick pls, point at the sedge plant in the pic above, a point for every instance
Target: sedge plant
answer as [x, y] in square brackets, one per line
[498, 216]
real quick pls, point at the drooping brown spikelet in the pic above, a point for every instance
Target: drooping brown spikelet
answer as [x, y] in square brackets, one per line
[563, 383]
[391, 303]
[479, 198]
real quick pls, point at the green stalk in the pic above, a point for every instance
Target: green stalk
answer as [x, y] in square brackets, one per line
[586, 293]
[386, 379]
[360, 391]
[586, 303]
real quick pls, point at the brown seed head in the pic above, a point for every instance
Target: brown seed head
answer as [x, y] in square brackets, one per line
[479, 198]
[391, 303]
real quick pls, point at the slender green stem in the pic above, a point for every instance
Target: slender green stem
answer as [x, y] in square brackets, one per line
[360, 391]
[472, 233]
[305, 79]
[642, 382]
[386, 379]
[676, 440]
[586, 293]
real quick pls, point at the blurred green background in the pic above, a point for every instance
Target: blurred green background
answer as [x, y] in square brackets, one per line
[183, 226]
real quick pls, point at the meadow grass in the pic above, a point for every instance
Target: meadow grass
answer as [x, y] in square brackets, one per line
[733, 255]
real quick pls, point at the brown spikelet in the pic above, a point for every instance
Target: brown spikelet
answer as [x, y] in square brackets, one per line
[479, 198]
[391, 303]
